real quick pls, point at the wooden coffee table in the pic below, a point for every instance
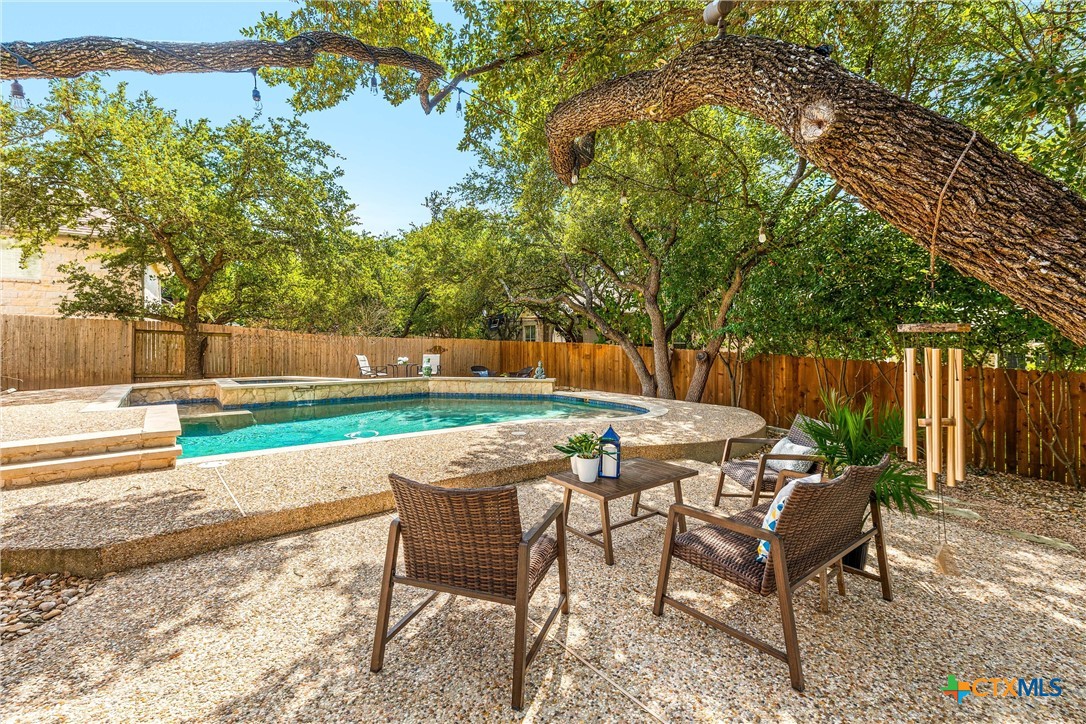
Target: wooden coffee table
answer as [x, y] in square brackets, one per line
[638, 475]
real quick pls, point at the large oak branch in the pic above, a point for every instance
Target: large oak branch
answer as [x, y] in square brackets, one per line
[1001, 222]
[73, 57]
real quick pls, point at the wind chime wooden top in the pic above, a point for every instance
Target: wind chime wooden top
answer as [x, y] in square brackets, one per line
[939, 413]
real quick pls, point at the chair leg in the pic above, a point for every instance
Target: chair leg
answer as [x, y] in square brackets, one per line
[823, 592]
[520, 629]
[719, 489]
[841, 577]
[563, 581]
[880, 551]
[788, 616]
[384, 604]
[756, 493]
[665, 568]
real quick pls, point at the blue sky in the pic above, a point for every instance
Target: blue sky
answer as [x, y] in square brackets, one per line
[393, 157]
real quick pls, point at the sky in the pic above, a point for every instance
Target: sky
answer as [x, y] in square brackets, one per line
[393, 157]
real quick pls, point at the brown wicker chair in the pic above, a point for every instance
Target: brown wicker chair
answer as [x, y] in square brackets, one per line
[470, 543]
[745, 472]
[820, 524]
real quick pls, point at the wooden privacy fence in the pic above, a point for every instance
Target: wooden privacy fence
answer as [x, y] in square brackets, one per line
[1021, 421]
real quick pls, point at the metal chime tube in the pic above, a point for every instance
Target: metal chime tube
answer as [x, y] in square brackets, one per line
[910, 405]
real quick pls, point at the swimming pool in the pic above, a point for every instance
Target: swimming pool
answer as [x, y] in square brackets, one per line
[279, 426]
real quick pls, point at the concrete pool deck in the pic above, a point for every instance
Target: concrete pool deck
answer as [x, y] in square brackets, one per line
[113, 523]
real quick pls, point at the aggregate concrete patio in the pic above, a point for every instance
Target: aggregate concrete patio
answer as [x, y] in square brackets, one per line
[117, 522]
[281, 630]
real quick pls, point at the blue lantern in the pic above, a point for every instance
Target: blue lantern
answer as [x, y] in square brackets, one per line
[610, 454]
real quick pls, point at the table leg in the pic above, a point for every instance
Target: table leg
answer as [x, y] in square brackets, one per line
[636, 503]
[567, 497]
[605, 524]
[679, 499]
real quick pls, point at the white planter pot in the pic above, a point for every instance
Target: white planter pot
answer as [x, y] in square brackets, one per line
[587, 469]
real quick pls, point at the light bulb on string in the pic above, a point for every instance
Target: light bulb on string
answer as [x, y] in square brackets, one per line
[257, 105]
[373, 80]
[18, 96]
[459, 104]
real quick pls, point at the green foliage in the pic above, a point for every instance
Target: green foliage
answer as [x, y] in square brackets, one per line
[847, 436]
[240, 218]
[583, 445]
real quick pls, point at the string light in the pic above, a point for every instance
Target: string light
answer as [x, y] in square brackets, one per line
[257, 105]
[18, 96]
[459, 104]
[373, 79]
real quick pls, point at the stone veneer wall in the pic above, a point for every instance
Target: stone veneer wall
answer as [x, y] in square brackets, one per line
[232, 395]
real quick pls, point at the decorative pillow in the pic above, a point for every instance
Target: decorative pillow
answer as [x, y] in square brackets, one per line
[771, 516]
[785, 446]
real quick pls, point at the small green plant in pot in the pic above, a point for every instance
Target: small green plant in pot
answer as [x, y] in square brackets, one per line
[846, 436]
[583, 451]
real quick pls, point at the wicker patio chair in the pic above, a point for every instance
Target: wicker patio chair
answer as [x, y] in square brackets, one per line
[745, 472]
[820, 523]
[470, 543]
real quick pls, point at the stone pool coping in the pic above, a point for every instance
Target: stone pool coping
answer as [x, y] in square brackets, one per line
[119, 522]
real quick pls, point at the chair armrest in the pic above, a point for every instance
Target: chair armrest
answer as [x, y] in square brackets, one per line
[785, 475]
[714, 519]
[743, 440]
[532, 535]
[790, 456]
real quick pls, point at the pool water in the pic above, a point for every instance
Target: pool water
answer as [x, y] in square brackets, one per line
[286, 426]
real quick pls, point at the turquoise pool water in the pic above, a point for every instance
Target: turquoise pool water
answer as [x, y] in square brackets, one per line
[286, 426]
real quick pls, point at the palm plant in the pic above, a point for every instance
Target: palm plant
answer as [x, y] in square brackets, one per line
[849, 436]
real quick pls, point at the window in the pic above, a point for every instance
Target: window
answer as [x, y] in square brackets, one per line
[11, 268]
[529, 332]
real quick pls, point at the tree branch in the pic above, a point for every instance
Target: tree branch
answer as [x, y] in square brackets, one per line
[1002, 222]
[72, 57]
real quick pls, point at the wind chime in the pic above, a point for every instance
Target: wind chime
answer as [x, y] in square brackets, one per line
[941, 413]
[944, 417]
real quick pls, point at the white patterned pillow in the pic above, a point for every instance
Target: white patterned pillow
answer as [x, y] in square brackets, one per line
[771, 516]
[785, 446]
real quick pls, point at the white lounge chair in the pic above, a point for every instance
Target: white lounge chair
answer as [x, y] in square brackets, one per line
[365, 369]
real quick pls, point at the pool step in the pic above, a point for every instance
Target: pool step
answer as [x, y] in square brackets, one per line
[224, 421]
[88, 455]
[41, 472]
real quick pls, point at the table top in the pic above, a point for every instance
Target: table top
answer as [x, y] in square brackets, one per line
[637, 474]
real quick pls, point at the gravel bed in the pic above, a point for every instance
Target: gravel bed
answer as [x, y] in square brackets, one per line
[27, 601]
[1013, 502]
[281, 630]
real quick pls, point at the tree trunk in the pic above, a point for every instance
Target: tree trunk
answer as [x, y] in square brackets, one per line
[708, 354]
[1001, 222]
[703, 365]
[195, 342]
[661, 350]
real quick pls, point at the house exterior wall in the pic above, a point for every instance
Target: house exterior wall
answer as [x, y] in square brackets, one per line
[42, 294]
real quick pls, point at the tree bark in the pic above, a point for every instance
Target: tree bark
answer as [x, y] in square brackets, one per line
[72, 57]
[1002, 222]
[706, 357]
[194, 349]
